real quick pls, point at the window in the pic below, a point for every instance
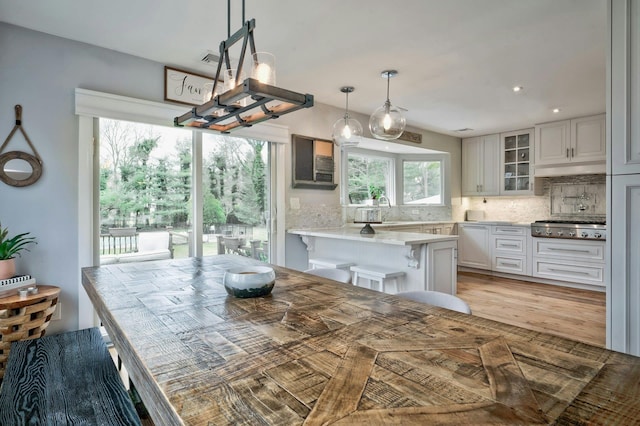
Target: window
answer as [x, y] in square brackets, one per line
[368, 176]
[422, 182]
[420, 179]
[146, 175]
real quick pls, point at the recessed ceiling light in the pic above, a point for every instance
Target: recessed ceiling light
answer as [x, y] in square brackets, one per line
[555, 110]
[517, 89]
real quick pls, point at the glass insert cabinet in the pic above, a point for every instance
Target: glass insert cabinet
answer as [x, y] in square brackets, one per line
[517, 171]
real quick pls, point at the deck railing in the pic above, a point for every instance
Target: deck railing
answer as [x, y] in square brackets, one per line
[119, 241]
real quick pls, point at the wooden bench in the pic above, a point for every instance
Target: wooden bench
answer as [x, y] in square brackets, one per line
[67, 378]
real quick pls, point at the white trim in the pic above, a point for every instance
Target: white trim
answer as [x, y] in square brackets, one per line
[90, 104]
[98, 104]
[86, 317]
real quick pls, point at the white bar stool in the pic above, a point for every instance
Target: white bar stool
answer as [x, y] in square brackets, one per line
[377, 274]
[325, 262]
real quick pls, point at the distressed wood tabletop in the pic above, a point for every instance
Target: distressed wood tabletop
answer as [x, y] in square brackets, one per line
[319, 352]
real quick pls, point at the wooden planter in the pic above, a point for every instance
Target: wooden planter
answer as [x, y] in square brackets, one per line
[23, 319]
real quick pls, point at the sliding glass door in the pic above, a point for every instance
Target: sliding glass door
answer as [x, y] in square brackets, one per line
[151, 183]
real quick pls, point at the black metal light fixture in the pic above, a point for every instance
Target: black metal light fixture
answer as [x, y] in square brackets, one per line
[242, 103]
[387, 122]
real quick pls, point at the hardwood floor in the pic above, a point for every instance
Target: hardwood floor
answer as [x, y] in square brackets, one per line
[567, 312]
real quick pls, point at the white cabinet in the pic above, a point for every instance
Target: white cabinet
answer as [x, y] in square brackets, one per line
[623, 186]
[480, 156]
[579, 261]
[578, 143]
[516, 167]
[474, 249]
[442, 270]
[509, 249]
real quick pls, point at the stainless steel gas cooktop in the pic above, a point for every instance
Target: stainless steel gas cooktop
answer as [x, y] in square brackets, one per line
[570, 229]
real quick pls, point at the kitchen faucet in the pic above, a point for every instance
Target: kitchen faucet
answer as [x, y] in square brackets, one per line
[380, 202]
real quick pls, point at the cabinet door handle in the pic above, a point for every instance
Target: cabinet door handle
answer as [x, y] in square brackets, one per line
[509, 230]
[515, 265]
[571, 272]
[569, 250]
[509, 245]
[572, 152]
[567, 152]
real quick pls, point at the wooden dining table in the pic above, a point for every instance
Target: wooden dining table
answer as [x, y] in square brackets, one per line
[316, 351]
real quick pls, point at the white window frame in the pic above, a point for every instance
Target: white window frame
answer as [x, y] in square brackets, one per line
[445, 177]
[396, 178]
[91, 104]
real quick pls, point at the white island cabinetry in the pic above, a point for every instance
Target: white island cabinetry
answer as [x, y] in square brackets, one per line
[428, 260]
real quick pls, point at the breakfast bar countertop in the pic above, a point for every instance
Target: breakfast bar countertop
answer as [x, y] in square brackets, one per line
[319, 352]
[384, 237]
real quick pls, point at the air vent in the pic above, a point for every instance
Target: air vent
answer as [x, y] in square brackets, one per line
[210, 58]
[466, 129]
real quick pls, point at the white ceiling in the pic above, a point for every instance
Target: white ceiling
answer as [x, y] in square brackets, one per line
[457, 59]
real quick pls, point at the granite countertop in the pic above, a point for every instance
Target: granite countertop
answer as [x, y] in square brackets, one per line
[381, 237]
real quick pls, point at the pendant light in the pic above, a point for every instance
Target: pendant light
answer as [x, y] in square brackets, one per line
[387, 122]
[244, 100]
[347, 131]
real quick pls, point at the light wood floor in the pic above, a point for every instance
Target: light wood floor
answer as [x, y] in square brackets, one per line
[567, 312]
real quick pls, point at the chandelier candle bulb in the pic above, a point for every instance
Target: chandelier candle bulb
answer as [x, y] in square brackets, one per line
[231, 80]
[264, 68]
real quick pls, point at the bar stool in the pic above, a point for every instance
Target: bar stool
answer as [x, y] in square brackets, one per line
[377, 274]
[325, 262]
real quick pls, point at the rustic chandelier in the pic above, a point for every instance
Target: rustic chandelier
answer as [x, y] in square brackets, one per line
[243, 102]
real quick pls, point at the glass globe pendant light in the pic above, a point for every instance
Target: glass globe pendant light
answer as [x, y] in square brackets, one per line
[387, 122]
[347, 131]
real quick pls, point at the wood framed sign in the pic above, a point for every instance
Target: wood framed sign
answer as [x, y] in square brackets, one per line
[185, 87]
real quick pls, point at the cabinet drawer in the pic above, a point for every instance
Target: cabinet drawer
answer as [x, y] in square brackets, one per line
[577, 273]
[509, 230]
[569, 249]
[509, 245]
[510, 265]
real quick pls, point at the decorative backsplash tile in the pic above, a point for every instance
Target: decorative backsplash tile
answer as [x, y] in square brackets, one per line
[547, 206]
[577, 200]
[578, 197]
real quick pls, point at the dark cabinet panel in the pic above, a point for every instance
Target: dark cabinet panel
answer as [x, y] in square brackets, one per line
[313, 163]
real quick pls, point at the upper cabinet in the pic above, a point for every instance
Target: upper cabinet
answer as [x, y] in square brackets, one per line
[574, 146]
[516, 167]
[480, 156]
[624, 81]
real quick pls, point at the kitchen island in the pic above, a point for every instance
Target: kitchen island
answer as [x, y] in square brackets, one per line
[428, 260]
[316, 351]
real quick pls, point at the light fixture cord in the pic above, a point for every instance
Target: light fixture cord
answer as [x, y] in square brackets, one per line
[346, 111]
[229, 17]
[388, 78]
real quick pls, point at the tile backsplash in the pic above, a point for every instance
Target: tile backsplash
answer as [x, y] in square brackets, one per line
[580, 199]
[576, 197]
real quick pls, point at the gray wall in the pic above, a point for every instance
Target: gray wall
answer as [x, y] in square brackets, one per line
[40, 72]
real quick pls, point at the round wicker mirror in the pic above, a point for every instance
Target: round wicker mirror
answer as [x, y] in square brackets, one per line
[19, 168]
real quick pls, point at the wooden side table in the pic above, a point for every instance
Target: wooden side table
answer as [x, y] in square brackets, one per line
[25, 318]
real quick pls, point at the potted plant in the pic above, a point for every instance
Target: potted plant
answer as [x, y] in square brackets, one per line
[375, 192]
[9, 248]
